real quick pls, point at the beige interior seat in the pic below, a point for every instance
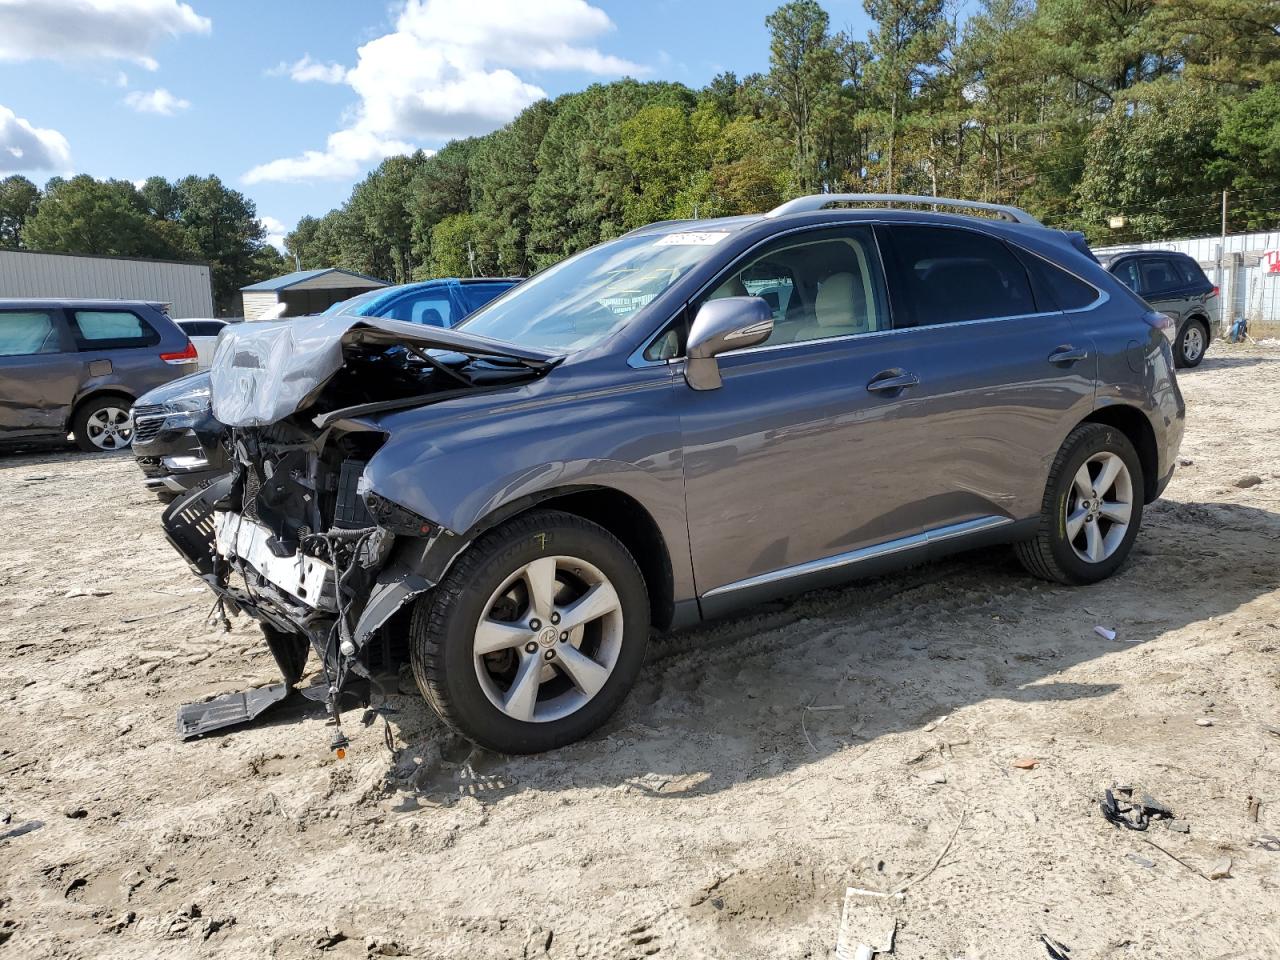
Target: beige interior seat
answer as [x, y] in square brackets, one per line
[839, 310]
[733, 287]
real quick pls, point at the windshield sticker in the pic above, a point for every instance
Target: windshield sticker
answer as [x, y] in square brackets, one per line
[692, 239]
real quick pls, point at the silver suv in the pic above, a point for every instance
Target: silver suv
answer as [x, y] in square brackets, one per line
[1174, 284]
[684, 421]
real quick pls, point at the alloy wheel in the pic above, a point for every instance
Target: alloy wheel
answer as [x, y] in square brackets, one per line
[548, 639]
[1192, 343]
[109, 428]
[1099, 507]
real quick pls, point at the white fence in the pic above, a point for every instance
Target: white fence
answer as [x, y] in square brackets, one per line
[1247, 287]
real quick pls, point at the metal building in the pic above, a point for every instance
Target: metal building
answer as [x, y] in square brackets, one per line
[304, 292]
[186, 287]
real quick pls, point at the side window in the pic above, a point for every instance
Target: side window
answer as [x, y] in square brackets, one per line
[112, 329]
[476, 295]
[1127, 273]
[432, 311]
[1064, 290]
[1189, 271]
[820, 285]
[950, 275]
[24, 333]
[1157, 275]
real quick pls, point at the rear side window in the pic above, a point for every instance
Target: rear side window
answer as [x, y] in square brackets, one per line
[433, 311]
[1065, 291]
[112, 329]
[1157, 275]
[24, 333]
[947, 275]
[1190, 272]
[201, 328]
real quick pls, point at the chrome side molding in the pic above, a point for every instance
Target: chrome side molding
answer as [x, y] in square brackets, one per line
[949, 532]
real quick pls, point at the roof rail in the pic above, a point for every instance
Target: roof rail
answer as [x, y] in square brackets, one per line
[820, 201]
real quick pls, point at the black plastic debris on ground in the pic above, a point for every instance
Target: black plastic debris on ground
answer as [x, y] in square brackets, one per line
[195, 719]
[29, 827]
[1120, 808]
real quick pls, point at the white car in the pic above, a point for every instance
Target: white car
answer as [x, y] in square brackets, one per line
[204, 334]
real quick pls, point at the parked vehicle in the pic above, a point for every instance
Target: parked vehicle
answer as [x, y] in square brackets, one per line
[436, 303]
[75, 366]
[1174, 284]
[687, 420]
[179, 444]
[204, 334]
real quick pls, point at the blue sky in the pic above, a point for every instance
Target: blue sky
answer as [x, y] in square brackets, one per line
[292, 101]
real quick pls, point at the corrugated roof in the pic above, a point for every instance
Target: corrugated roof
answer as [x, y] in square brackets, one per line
[300, 276]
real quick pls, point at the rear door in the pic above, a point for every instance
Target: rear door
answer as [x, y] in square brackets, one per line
[39, 372]
[1003, 374]
[119, 347]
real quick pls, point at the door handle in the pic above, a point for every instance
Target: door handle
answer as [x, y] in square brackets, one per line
[892, 381]
[1068, 354]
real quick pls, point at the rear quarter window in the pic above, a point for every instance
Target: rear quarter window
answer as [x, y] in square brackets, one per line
[112, 329]
[25, 333]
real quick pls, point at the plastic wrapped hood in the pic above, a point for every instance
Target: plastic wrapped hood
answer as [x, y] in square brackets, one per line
[263, 372]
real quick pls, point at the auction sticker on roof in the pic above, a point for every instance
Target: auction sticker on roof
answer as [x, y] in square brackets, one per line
[707, 239]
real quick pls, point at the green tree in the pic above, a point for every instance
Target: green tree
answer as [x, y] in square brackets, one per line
[804, 79]
[1151, 160]
[1249, 143]
[454, 242]
[19, 198]
[503, 171]
[105, 217]
[222, 224]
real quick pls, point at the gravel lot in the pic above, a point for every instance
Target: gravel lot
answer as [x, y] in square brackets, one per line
[853, 737]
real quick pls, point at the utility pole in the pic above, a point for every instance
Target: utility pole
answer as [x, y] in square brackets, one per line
[1224, 318]
[471, 258]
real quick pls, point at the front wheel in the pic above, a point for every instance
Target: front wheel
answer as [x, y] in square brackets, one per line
[535, 636]
[1191, 344]
[1092, 508]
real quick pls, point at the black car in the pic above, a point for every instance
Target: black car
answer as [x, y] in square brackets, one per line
[1175, 285]
[176, 440]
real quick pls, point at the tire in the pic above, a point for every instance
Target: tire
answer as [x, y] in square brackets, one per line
[94, 414]
[1058, 554]
[1193, 340]
[496, 575]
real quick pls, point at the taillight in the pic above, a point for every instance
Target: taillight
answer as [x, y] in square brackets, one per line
[1214, 291]
[188, 355]
[1162, 322]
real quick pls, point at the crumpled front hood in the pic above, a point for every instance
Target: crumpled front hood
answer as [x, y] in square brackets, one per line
[263, 372]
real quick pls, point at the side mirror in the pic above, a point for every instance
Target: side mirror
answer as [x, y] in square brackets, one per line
[729, 323]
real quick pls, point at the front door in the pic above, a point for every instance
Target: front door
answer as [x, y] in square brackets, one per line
[806, 456]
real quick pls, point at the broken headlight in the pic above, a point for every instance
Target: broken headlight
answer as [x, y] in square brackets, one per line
[393, 517]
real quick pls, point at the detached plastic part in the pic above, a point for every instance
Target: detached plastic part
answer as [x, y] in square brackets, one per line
[197, 719]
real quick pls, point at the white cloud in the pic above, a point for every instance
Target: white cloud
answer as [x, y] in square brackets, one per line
[76, 30]
[159, 101]
[449, 70]
[307, 70]
[27, 147]
[276, 231]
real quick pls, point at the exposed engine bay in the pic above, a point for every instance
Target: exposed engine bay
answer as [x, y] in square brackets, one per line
[292, 536]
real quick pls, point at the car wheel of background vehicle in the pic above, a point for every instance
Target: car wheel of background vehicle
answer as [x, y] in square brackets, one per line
[535, 636]
[1092, 508]
[1192, 342]
[101, 424]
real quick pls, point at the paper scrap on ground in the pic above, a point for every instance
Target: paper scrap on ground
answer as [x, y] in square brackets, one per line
[866, 927]
[1104, 633]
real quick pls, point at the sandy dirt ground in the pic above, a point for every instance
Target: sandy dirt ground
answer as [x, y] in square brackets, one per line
[862, 737]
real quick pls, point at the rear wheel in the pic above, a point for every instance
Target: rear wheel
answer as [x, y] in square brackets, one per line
[102, 424]
[536, 635]
[1191, 344]
[1092, 508]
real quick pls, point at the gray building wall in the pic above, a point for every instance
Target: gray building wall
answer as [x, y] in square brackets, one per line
[186, 287]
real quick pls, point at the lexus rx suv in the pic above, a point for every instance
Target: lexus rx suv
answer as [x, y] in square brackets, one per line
[692, 418]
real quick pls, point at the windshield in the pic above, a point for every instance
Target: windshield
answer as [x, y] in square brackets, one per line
[580, 301]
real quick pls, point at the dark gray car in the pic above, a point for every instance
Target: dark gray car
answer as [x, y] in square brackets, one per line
[1174, 284]
[76, 366]
[690, 419]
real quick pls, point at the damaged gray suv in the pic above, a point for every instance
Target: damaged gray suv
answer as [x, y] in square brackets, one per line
[690, 419]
